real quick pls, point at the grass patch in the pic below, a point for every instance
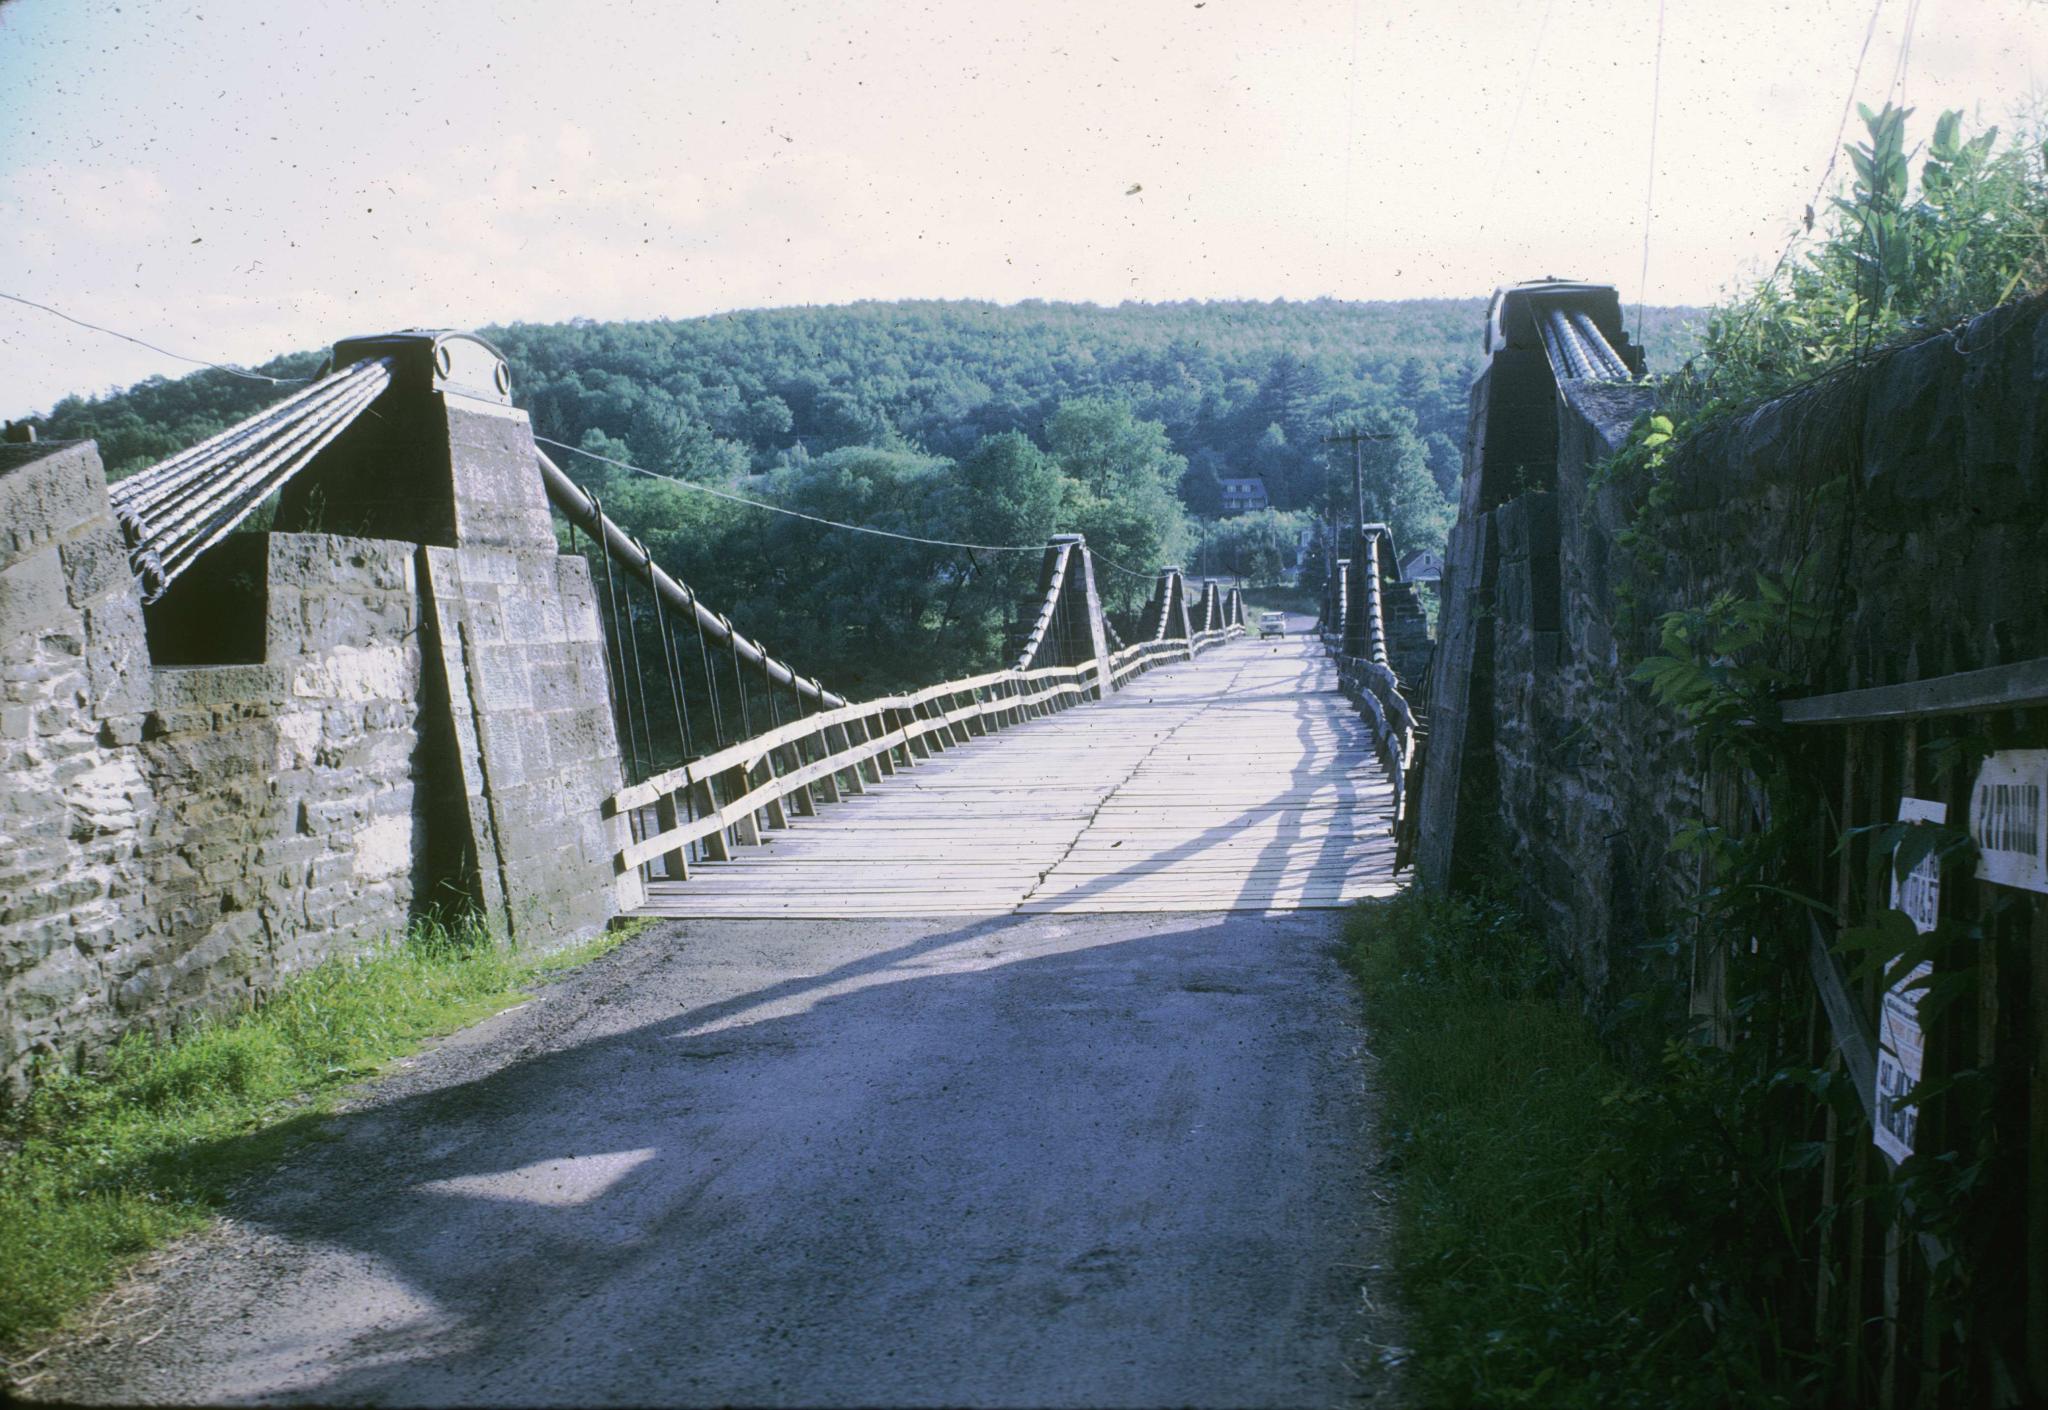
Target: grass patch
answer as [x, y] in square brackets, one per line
[1280, 599]
[101, 1167]
[1562, 1237]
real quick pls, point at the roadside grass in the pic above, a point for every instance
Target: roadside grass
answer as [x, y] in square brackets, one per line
[1280, 599]
[99, 1168]
[1553, 1230]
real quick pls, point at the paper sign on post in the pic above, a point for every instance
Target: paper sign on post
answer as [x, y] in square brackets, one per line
[2009, 818]
[1900, 1043]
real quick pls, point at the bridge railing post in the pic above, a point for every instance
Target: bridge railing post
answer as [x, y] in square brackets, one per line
[802, 800]
[852, 779]
[975, 723]
[939, 740]
[774, 810]
[872, 727]
[668, 817]
[828, 782]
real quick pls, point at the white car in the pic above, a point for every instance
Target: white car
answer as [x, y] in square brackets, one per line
[1272, 624]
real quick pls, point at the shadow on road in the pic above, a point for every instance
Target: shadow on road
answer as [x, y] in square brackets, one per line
[1020, 1161]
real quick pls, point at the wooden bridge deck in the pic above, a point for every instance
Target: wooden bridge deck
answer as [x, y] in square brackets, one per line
[1238, 781]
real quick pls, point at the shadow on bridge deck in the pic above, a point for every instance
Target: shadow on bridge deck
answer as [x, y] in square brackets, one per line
[1239, 781]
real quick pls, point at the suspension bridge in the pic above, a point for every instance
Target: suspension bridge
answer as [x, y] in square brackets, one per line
[443, 679]
[1188, 768]
[1000, 1053]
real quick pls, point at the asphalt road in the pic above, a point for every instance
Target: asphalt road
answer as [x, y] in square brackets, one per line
[1098, 1160]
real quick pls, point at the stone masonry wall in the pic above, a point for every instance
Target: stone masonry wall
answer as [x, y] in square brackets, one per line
[177, 840]
[285, 826]
[74, 802]
[174, 840]
[1915, 494]
[519, 645]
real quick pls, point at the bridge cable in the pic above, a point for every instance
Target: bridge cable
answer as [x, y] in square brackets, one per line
[739, 680]
[668, 669]
[693, 485]
[672, 660]
[182, 357]
[622, 700]
[640, 678]
[710, 679]
[661, 631]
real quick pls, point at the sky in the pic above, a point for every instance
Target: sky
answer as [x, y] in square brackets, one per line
[232, 179]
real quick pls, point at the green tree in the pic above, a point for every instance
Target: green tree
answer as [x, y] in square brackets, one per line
[1400, 491]
[1260, 547]
[1125, 473]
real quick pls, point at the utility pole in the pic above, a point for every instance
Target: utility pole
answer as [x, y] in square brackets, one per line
[1356, 637]
[1356, 439]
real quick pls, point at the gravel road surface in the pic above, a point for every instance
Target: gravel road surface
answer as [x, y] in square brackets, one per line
[1092, 1160]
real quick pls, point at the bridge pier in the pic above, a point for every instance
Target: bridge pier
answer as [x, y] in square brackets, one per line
[515, 645]
[1337, 602]
[1072, 628]
[1166, 615]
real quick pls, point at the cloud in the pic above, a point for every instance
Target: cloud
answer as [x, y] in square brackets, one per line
[54, 205]
[343, 174]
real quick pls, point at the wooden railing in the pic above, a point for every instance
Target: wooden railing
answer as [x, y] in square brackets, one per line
[1376, 691]
[1370, 683]
[727, 798]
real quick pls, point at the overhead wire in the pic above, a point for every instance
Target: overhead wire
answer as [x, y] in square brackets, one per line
[1350, 120]
[695, 486]
[1500, 165]
[1827, 173]
[1834, 152]
[698, 486]
[1899, 70]
[1127, 572]
[228, 368]
[1650, 182]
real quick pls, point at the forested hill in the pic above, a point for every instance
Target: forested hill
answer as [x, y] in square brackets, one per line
[968, 422]
[1241, 387]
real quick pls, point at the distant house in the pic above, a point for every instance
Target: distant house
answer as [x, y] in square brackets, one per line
[1243, 495]
[1422, 566]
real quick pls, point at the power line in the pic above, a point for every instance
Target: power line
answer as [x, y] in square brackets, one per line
[1514, 122]
[1127, 572]
[1350, 119]
[1650, 183]
[1841, 128]
[1848, 102]
[693, 485]
[1899, 71]
[700, 487]
[182, 357]
[1827, 174]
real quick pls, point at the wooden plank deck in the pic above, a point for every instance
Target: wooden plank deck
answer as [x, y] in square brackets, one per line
[1238, 781]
